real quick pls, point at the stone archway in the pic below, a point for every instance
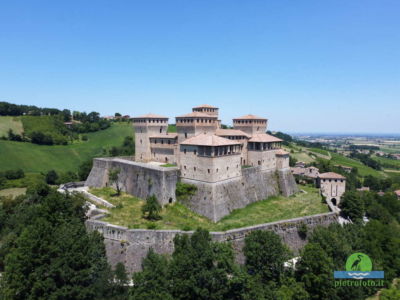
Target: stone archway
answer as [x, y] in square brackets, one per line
[334, 201]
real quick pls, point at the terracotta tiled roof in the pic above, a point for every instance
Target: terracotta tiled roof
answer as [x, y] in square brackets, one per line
[231, 132]
[264, 138]
[281, 152]
[250, 117]
[209, 140]
[197, 114]
[171, 135]
[205, 106]
[331, 175]
[150, 116]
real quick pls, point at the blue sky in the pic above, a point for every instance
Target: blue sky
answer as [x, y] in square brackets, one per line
[308, 66]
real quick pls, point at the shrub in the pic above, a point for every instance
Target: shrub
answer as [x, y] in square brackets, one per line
[51, 177]
[14, 174]
[184, 191]
[151, 225]
[151, 209]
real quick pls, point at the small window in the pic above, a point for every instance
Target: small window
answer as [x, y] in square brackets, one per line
[184, 167]
[217, 170]
[194, 168]
[185, 135]
[184, 151]
[208, 171]
[141, 141]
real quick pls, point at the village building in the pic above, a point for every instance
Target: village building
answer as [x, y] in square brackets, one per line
[332, 187]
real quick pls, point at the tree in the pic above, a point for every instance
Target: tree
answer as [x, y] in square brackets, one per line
[113, 177]
[352, 205]
[52, 255]
[200, 268]
[51, 177]
[314, 270]
[265, 255]
[84, 169]
[151, 209]
[153, 282]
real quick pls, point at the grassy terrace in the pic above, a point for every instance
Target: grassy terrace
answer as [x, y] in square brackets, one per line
[177, 216]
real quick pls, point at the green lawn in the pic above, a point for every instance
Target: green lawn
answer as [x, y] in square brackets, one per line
[39, 158]
[363, 170]
[13, 123]
[177, 216]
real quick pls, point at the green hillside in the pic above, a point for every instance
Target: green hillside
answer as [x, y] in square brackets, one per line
[13, 123]
[38, 158]
[363, 170]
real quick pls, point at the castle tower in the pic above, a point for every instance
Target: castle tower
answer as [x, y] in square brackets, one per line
[145, 127]
[206, 109]
[250, 124]
[193, 124]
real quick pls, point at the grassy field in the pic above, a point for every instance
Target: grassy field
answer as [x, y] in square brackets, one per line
[13, 123]
[388, 163]
[177, 216]
[302, 156]
[338, 159]
[39, 158]
[13, 192]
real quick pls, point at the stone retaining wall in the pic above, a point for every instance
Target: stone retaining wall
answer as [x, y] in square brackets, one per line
[130, 246]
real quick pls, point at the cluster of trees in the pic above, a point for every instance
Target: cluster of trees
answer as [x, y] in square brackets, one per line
[366, 159]
[46, 252]
[385, 208]
[10, 175]
[126, 149]
[364, 147]
[9, 109]
[58, 134]
[90, 122]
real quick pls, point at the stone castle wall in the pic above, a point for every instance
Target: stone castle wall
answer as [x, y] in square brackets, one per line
[213, 200]
[138, 179]
[130, 246]
[218, 199]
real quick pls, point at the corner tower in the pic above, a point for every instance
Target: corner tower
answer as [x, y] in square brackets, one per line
[146, 126]
[250, 124]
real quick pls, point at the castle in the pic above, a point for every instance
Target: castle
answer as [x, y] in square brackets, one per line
[230, 167]
[203, 150]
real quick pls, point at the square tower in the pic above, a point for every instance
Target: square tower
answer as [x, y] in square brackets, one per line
[250, 124]
[195, 123]
[147, 126]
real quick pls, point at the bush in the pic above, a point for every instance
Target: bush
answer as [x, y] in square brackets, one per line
[184, 191]
[14, 174]
[151, 209]
[51, 177]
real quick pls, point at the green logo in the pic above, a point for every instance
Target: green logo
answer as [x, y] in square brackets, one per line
[359, 262]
